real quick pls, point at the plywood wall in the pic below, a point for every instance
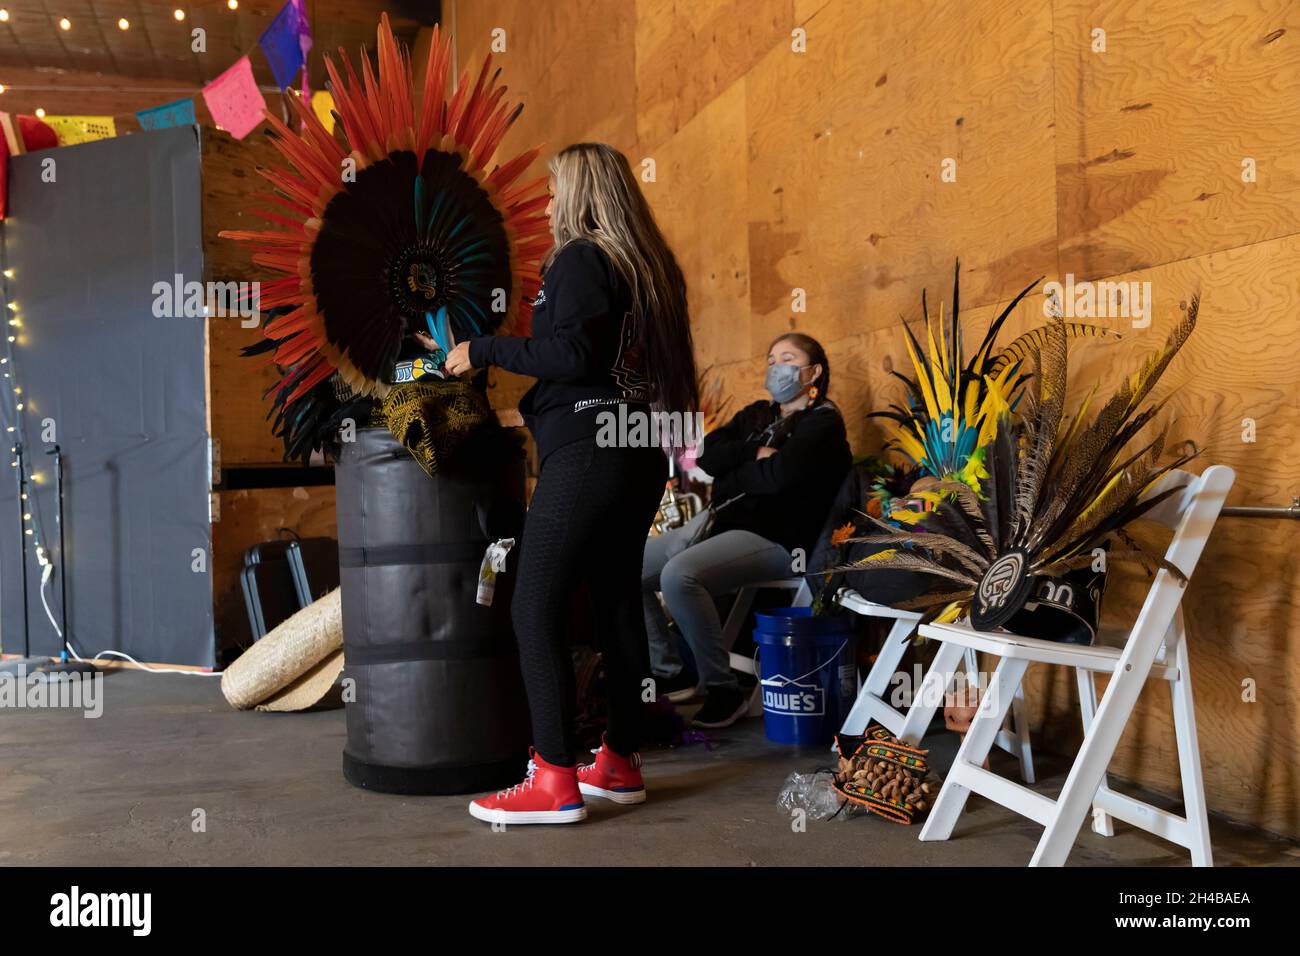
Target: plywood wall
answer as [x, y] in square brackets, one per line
[237, 384]
[1115, 154]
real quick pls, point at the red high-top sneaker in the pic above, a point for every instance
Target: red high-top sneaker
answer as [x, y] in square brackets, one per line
[613, 777]
[549, 794]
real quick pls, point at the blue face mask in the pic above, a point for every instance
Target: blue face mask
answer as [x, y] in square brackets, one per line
[784, 382]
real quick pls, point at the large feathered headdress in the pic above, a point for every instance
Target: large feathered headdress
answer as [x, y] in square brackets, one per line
[1055, 491]
[409, 226]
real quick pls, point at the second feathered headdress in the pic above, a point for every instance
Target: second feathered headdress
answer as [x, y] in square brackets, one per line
[1055, 492]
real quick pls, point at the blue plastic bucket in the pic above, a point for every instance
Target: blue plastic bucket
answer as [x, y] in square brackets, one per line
[808, 674]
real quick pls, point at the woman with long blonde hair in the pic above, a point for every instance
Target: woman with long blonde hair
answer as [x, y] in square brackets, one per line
[611, 343]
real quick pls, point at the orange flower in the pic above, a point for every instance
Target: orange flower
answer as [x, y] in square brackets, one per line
[841, 534]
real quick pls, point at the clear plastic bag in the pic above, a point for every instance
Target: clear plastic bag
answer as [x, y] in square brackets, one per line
[814, 794]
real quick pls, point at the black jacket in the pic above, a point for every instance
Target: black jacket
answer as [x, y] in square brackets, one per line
[582, 351]
[786, 495]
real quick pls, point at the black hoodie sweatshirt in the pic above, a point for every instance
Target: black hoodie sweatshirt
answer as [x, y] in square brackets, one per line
[787, 495]
[582, 351]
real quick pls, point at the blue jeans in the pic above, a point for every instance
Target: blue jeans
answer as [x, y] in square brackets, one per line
[690, 577]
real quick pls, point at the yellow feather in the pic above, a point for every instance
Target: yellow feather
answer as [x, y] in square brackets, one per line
[1099, 497]
[942, 394]
[972, 472]
[905, 515]
[995, 405]
[972, 396]
[908, 444]
[923, 380]
[949, 614]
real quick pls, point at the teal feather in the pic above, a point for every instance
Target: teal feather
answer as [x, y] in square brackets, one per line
[433, 331]
[443, 337]
[419, 206]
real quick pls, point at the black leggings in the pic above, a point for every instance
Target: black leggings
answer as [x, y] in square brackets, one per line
[589, 517]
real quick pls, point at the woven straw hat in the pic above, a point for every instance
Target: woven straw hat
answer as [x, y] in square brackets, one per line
[294, 666]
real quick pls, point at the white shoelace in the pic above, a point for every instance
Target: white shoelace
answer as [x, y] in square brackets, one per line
[526, 782]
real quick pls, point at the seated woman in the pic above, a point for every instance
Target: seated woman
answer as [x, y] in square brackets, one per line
[776, 468]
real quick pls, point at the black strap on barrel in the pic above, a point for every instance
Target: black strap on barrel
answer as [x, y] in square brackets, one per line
[452, 552]
[427, 650]
[457, 552]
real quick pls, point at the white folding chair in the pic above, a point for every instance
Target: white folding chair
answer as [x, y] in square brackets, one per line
[1156, 646]
[736, 621]
[910, 725]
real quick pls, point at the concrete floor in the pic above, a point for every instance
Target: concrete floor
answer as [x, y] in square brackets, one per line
[122, 790]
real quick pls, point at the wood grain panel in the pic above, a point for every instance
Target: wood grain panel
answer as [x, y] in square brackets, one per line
[236, 384]
[688, 53]
[805, 10]
[846, 144]
[230, 183]
[1151, 133]
[700, 199]
[570, 64]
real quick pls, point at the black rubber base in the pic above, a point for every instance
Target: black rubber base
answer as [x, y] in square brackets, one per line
[434, 781]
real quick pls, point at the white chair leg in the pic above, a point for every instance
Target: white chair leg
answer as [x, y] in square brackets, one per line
[974, 749]
[1099, 744]
[871, 701]
[928, 698]
[1014, 736]
[1102, 822]
[1189, 752]
[1020, 728]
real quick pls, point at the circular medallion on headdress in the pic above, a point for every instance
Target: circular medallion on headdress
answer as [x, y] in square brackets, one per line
[413, 279]
[1002, 591]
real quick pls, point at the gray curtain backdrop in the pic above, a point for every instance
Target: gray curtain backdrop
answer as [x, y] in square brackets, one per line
[125, 390]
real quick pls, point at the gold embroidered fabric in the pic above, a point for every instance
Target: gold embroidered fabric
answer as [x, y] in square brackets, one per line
[433, 418]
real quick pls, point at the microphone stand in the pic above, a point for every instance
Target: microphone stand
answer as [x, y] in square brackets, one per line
[26, 664]
[22, 541]
[65, 664]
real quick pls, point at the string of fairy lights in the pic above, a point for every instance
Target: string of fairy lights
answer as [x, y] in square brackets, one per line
[67, 26]
[12, 417]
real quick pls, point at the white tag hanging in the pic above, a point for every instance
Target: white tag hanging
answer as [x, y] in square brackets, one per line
[494, 562]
